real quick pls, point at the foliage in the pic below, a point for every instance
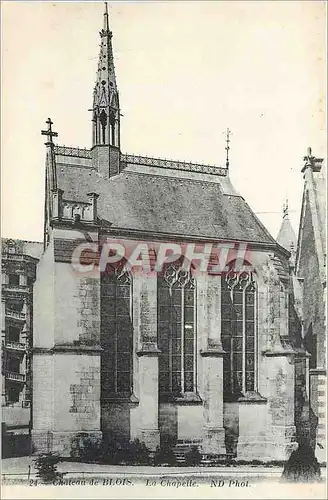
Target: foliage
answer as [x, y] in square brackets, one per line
[193, 456]
[164, 455]
[86, 449]
[123, 451]
[137, 453]
[46, 465]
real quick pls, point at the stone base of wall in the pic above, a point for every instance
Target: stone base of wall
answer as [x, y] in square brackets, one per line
[277, 444]
[253, 448]
[63, 443]
[150, 437]
[213, 442]
[281, 442]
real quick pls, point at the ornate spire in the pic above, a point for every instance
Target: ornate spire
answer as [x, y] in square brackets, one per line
[106, 113]
[227, 148]
[50, 180]
[51, 174]
[286, 236]
[106, 20]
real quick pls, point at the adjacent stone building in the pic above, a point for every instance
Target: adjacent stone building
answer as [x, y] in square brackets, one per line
[19, 261]
[185, 357]
[310, 271]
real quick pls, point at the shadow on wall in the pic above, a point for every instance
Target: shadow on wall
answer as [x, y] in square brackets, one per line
[116, 420]
[168, 423]
[15, 445]
[231, 426]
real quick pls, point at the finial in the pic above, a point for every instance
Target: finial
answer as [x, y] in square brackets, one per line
[227, 148]
[49, 132]
[312, 162]
[106, 21]
[285, 209]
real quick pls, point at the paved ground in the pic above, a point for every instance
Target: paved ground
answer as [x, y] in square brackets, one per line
[23, 467]
[242, 482]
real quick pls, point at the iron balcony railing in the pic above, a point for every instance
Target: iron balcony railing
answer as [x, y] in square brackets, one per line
[15, 346]
[77, 152]
[14, 289]
[15, 377]
[172, 164]
[10, 314]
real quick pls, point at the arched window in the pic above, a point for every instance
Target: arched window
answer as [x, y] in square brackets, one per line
[238, 332]
[112, 122]
[176, 331]
[103, 122]
[116, 332]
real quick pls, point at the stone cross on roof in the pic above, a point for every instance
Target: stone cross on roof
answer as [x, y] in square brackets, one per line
[49, 133]
[52, 172]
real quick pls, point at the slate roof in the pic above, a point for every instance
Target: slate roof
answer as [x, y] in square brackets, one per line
[164, 204]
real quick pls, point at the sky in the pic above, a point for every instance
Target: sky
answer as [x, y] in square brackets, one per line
[186, 71]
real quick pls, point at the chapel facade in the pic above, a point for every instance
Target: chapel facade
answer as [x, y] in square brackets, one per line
[185, 357]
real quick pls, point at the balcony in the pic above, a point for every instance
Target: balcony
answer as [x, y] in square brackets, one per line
[15, 377]
[16, 289]
[15, 315]
[15, 346]
[18, 257]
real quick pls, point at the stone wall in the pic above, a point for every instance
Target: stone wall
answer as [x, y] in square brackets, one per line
[309, 271]
[66, 354]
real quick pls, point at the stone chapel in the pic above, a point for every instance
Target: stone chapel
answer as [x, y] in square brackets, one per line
[193, 359]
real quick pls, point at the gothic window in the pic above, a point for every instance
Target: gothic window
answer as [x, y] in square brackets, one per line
[176, 331]
[238, 331]
[103, 122]
[112, 128]
[116, 332]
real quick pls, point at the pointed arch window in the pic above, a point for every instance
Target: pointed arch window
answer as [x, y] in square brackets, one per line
[176, 331]
[112, 121]
[103, 122]
[116, 332]
[238, 332]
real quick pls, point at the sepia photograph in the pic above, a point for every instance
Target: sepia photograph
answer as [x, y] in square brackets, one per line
[163, 249]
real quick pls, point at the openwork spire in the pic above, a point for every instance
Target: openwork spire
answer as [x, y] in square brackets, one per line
[285, 211]
[106, 113]
[286, 236]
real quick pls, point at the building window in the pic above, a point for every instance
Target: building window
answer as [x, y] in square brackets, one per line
[13, 333]
[238, 331]
[12, 394]
[176, 331]
[116, 332]
[103, 123]
[13, 364]
[30, 280]
[15, 305]
[13, 279]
